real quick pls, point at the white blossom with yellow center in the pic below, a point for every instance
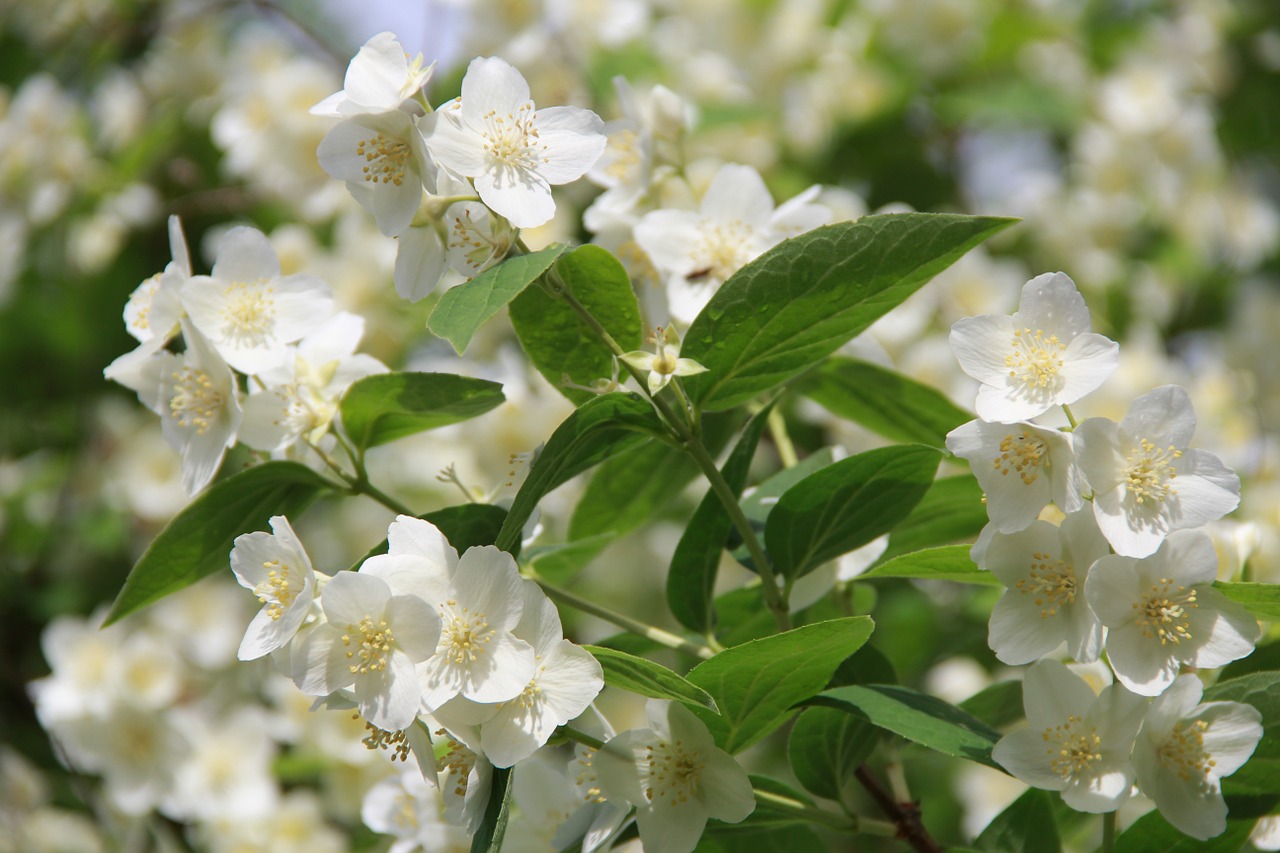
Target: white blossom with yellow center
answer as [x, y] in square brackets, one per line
[1044, 568]
[1076, 742]
[1042, 356]
[665, 362]
[1186, 747]
[276, 568]
[247, 310]
[199, 407]
[675, 776]
[154, 307]
[1162, 612]
[1146, 481]
[512, 151]
[1021, 468]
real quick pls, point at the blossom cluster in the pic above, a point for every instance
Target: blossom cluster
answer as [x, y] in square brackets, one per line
[1095, 531]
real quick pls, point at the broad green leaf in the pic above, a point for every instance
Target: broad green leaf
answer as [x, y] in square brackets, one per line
[918, 717]
[1260, 776]
[1265, 656]
[997, 705]
[1026, 826]
[462, 310]
[757, 505]
[1151, 833]
[884, 401]
[560, 562]
[628, 489]
[846, 505]
[691, 579]
[757, 835]
[558, 341]
[757, 683]
[826, 746]
[493, 826]
[596, 430]
[465, 526]
[951, 511]
[1260, 599]
[948, 563]
[643, 676]
[388, 406]
[198, 541]
[802, 300]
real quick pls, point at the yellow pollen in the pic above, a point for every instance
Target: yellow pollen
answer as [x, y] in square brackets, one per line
[674, 772]
[141, 300]
[722, 249]
[1163, 612]
[1149, 470]
[1184, 752]
[1051, 583]
[1036, 359]
[372, 646]
[250, 312]
[1023, 454]
[276, 592]
[456, 761]
[396, 742]
[385, 159]
[195, 403]
[625, 147]
[464, 635]
[512, 139]
[1073, 750]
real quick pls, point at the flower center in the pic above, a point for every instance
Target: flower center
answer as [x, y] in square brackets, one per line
[1052, 583]
[1184, 752]
[674, 772]
[249, 314]
[276, 592]
[195, 403]
[1163, 612]
[1073, 749]
[456, 761]
[473, 240]
[385, 159]
[512, 139]
[464, 635]
[1149, 472]
[1022, 454]
[397, 742]
[372, 646]
[722, 249]
[1036, 359]
[140, 302]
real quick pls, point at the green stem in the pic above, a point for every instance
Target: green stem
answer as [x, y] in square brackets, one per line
[361, 485]
[623, 621]
[581, 737]
[1108, 832]
[781, 440]
[1071, 419]
[838, 822]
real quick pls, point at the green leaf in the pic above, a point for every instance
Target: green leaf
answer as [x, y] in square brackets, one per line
[826, 746]
[198, 541]
[642, 676]
[493, 827]
[1260, 599]
[846, 505]
[948, 563]
[627, 490]
[951, 511]
[558, 341]
[462, 310]
[755, 835]
[388, 406]
[1260, 776]
[997, 705]
[883, 401]
[802, 300]
[559, 562]
[918, 717]
[757, 683]
[1151, 833]
[691, 579]
[596, 430]
[1026, 826]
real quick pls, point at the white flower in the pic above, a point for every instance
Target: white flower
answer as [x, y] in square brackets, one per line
[1186, 747]
[478, 655]
[371, 642]
[1044, 568]
[247, 310]
[1042, 356]
[298, 400]
[1075, 742]
[735, 222]
[407, 807]
[383, 159]
[1146, 481]
[199, 407]
[276, 568]
[1021, 468]
[665, 362]
[154, 308]
[675, 776]
[380, 78]
[1162, 611]
[465, 779]
[513, 152]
